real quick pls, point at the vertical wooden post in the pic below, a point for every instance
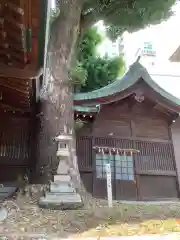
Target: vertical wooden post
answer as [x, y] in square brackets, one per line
[175, 130]
[109, 184]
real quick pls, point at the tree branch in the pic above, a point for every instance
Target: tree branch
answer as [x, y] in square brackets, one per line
[87, 21]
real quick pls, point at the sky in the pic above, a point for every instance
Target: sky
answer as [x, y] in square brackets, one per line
[164, 37]
[53, 4]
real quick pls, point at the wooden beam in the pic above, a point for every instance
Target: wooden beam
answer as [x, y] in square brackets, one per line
[4, 87]
[11, 108]
[23, 74]
[131, 102]
[166, 103]
[156, 172]
[162, 109]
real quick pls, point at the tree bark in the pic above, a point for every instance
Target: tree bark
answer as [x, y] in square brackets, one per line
[57, 115]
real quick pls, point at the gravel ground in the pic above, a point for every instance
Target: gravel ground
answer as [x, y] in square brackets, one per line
[95, 219]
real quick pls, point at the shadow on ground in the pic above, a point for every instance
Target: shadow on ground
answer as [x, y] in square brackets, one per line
[96, 219]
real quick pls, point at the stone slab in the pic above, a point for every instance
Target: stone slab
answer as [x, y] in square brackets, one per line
[59, 194]
[62, 202]
[62, 178]
[3, 214]
[64, 138]
[63, 197]
[62, 153]
[62, 184]
[61, 188]
[63, 168]
[7, 191]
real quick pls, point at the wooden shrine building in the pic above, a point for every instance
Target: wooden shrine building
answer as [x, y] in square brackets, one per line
[22, 36]
[133, 124]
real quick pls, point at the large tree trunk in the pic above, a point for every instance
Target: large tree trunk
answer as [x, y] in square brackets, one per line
[57, 116]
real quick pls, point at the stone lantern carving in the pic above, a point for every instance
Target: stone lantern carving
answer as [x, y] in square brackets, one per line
[64, 155]
[62, 193]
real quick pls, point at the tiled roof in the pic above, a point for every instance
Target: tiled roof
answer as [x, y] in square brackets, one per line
[135, 72]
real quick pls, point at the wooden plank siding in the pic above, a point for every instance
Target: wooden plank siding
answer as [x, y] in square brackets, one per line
[138, 121]
[17, 140]
[139, 127]
[21, 28]
[19, 32]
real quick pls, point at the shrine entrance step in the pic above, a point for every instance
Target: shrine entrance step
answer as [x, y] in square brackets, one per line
[8, 190]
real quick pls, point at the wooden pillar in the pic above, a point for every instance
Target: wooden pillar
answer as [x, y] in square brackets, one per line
[175, 131]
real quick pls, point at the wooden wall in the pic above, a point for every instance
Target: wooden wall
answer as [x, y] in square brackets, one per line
[140, 121]
[127, 124]
[33, 28]
[22, 25]
[22, 33]
[16, 146]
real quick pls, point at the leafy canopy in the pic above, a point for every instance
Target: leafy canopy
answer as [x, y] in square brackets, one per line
[92, 71]
[124, 15]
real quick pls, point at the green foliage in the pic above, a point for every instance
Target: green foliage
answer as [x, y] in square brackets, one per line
[99, 71]
[119, 16]
[87, 47]
[78, 74]
[127, 15]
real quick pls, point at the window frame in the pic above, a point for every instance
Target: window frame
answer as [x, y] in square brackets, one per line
[125, 173]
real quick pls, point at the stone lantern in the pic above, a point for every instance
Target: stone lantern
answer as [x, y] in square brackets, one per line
[64, 155]
[62, 193]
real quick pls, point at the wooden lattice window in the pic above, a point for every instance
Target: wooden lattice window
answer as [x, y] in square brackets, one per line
[101, 161]
[124, 167]
[121, 166]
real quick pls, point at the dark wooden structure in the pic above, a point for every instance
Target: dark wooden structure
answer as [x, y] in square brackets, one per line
[22, 32]
[131, 113]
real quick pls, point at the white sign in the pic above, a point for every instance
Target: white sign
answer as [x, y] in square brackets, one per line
[148, 45]
[148, 49]
[109, 185]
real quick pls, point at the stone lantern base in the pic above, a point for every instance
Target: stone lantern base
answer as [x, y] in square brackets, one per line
[61, 201]
[62, 194]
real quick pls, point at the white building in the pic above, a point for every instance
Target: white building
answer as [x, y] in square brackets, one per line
[118, 47]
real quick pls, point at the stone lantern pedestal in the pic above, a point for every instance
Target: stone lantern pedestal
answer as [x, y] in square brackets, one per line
[62, 194]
